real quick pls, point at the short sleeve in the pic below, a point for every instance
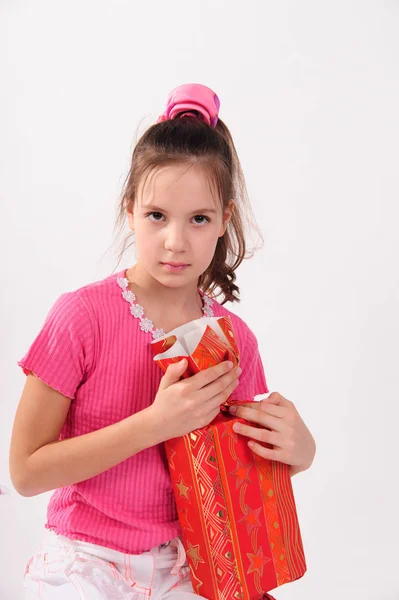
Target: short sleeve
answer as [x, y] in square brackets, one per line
[62, 353]
[252, 379]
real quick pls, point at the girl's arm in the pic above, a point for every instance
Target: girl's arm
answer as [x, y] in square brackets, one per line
[39, 462]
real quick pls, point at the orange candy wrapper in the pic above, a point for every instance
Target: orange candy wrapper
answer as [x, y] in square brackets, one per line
[236, 510]
[204, 343]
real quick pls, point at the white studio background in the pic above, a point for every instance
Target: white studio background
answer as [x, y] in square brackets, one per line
[310, 91]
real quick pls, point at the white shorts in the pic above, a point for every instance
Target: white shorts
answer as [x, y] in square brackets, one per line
[65, 569]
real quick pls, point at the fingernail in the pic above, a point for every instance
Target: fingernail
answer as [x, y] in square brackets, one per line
[233, 409]
[230, 365]
[239, 371]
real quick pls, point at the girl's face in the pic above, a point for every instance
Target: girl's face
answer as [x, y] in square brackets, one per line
[176, 219]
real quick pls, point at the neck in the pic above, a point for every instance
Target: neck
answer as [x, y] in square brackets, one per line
[179, 300]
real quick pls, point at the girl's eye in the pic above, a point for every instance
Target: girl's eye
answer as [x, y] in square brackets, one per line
[202, 221]
[157, 218]
[155, 215]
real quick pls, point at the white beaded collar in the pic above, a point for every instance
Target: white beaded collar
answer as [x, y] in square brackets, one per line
[137, 311]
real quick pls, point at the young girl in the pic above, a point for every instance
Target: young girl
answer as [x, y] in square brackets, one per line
[95, 409]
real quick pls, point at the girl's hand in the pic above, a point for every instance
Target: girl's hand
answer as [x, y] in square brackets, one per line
[282, 427]
[182, 406]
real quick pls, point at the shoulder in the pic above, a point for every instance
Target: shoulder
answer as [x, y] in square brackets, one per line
[96, 289]
[94, 296]
[81, 308]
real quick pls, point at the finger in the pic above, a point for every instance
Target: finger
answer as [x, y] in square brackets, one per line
[264, 405]
[274, 410]
[218, 387]
[173, 374]
[214, 404]
[213, 413]
[261, 435]
[268, 453]
[260, 417]
[249, 404]
[208, 376]
[278, 400]
[221, 397]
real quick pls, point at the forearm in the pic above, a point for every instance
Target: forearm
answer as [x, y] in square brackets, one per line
[72, 460]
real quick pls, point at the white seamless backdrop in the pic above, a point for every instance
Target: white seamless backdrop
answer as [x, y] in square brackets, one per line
[310, 91]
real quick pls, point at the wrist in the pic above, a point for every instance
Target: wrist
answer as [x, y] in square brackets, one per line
[149, 430]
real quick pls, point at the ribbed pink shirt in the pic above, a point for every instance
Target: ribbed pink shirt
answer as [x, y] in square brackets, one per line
[92, 350]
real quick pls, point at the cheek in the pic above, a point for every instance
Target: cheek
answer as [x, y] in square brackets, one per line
[212, 235]
[205, 245]
[145, 242]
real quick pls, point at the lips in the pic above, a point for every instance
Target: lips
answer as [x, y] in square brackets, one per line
[174, 267]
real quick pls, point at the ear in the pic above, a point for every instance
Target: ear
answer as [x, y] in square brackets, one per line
[226, 217]
[130, 218]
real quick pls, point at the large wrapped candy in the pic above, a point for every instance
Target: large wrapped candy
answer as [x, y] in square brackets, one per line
[237, 511]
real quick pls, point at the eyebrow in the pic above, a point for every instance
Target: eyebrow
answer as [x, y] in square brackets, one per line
[162, 210]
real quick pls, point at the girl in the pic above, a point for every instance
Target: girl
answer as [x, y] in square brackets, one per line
[95, 409]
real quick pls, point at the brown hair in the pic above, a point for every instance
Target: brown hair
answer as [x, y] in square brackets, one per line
[188, 140]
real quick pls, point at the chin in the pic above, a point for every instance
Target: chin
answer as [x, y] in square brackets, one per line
[173, 280]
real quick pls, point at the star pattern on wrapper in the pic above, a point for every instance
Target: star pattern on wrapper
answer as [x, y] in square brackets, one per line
[196, 583]
[193, 553]
[183, 488]
[184, 522]
[241, 473]
[258, 561]
[228, 431]
[251, 518]
[171, 457]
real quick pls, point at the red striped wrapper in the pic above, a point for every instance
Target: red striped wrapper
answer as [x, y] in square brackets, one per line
[237, 513]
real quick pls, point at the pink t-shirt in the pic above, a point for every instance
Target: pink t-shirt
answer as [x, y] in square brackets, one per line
[92, 350]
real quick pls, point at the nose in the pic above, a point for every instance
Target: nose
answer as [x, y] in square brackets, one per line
[175, 238]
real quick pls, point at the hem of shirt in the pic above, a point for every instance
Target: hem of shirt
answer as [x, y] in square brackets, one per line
[30, 371]
[89, 539]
